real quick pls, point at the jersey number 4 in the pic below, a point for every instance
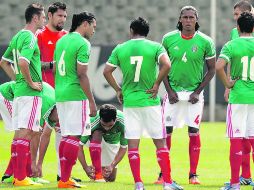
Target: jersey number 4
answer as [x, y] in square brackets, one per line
[245, 61]
[137, 60]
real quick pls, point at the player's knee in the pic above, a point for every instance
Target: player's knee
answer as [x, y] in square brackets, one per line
[97, 136]
[169, 129]
[193, 130]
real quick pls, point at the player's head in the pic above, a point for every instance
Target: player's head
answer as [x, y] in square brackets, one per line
[240, 7]
[107, 116]
[140, 27]
[245, 22]
[188, 19]
[84, 22]
[57, 15]
[35, 14]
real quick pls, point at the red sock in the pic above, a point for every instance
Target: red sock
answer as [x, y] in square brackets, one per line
[251, 140]
[95, 153]
[60, 153]
[168, 141]
[29, 172]
[164, 162]
[235, 159]
[22, 149]
[10, 169]
[70, 155]
[246, 173]
[134, 161]
[194, 151]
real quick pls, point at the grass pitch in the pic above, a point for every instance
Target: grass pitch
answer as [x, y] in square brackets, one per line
[213, 167]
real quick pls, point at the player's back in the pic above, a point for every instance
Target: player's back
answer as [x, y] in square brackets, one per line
[138, 60]
[66, 55]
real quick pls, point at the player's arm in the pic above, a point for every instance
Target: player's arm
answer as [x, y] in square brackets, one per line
[226, 93]
[85, 85]
[164, 70]
[108, 74]
[82, 159]
[45, 139]
[24, 68]
[8, 69]
[222, 75]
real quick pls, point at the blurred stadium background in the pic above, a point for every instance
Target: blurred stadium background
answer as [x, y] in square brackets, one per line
[113, 18]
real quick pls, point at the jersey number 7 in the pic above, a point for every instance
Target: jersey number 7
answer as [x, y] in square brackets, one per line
[137, 60]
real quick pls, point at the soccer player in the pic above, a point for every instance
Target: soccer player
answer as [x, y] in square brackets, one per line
[240, 111]
[73, 90]
[47, 38]
[24, 52]
[188, 49]
[107, 144]
[245, 178]
[139, 59]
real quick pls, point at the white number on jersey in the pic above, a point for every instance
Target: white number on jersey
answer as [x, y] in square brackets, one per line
[137, 60]
[184, 58]
[16, 55]
[245, 62]
[61, 64]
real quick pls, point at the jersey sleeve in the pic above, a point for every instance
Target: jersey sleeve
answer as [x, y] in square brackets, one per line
[8, 55]
[164, 44]
[210, 50]
[161, 51]
[225, 53]
[113, 59]
[28, 47]
[84, 54]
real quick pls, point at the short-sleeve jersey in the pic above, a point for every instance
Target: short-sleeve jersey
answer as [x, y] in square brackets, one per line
[48, 103]
[235, 34]
[71, 49]
[47, 42]
[24, 46]
[138, 61]
[239, 53]
[7, 90]
[113, 136]
[187, 58]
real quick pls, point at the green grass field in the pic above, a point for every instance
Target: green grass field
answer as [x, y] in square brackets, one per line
[213, 167]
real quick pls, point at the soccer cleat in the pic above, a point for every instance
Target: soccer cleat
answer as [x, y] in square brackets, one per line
[70, 184]
[159, 180]
[245, 181]
[193, 179]
[252, 184]
[7, 179]
[25, 182]
[231, 187]
[139, 186]
[76, 179]
[172, 186]
[39, 180]
[99, 178]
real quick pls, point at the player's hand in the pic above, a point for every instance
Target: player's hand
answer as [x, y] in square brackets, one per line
[172, 97]
[119, 96]
[231, 83]
[226, 94]
[36, 86]
[107, 171]
[93, 109]
[90, 171]
[194, 98]
[39, 170]
[153, 91]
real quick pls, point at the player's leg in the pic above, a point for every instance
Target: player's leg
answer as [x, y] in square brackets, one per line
[245, 178]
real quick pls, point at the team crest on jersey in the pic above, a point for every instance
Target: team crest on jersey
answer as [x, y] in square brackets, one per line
[194, 48]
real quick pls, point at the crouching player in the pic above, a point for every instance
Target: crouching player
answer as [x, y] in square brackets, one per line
[107, 144]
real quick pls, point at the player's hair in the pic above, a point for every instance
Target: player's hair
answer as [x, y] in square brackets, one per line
[179, 25]
[246, 22]
[33, 9]
[107, 112]
[243, 6]
[140, 26]
[55, 6]
[78, 19]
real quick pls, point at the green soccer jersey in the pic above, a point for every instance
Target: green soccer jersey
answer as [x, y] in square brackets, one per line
[24, 46]
[239, 53]
[71, 49]
[113, 136]
[138, 61]
[48, 103]
[235, 34]
[7, 90]
[187, 58]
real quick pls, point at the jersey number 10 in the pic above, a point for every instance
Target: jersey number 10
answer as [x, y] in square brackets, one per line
[245, 61]
[137, 60]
